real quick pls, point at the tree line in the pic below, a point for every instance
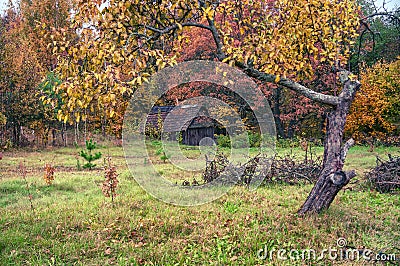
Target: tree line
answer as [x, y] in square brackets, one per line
[35, 37]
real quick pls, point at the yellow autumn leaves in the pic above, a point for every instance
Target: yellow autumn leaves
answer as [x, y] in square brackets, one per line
[369, 115]
[290, 40]
[120, 46]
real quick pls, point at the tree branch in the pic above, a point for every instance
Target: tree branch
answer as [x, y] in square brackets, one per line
[349, 86]
[294, 86]
[346, 147]
[350, 175]
[388, 14]
[174, 27]
[217, 39]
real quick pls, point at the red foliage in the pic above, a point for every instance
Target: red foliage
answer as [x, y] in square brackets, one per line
[196, 45]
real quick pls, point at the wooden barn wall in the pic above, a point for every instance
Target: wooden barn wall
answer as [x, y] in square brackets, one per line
[192, 136]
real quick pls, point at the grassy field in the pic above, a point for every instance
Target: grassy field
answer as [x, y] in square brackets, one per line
[74, 224]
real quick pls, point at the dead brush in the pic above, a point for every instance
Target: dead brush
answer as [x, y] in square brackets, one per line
[110, 184]
[385, 177]
[48, 173]
[293, 172]
[214, 167]
[23, 172]
[278, 169]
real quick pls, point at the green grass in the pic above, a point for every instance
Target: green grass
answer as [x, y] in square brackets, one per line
[73, 223]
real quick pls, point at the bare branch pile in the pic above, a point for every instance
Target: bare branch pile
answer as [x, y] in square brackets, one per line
[278, 169]
[215, 167]
[291, 171]
[385, 177]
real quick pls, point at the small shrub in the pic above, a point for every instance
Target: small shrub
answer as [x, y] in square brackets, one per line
[164, 157]
[223, 141]
[78, 163]
[155, 131]
[110, 183]
[288, 143]
[88, 154]
[48, 174]
[230, 207]
[156, 143]
[23, 172]
[180, 138]
[159, 151]
[240, 141]
[255, 140]
[151, 132]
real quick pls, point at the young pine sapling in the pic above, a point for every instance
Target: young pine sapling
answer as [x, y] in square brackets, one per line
[88, 154]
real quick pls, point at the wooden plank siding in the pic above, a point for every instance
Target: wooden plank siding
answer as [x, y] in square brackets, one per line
[193, 136]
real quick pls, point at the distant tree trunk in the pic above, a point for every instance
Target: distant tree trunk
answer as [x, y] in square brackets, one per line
[1, 134]
[291, 128]
[85, 125]
[66, 135]
[16, 134]
[53, 136]
[63, 135]
[76, 132]
[103, 128]
[103, 125]
[45, 137]
[332, 177]
[277, 112]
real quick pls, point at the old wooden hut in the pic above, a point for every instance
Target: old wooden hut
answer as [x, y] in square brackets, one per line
[192, 122]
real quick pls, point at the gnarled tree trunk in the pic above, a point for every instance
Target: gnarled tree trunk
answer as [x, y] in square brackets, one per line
[332, 177]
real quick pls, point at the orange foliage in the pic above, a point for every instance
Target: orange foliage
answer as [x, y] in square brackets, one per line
[196, 44]
[48, 173]
[369, 115]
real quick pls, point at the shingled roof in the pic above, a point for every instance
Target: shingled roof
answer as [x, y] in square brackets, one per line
[156, 112]
[180, 118]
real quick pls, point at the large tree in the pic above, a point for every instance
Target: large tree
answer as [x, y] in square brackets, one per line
[26, 59]
[281, 42]
[20, 74]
